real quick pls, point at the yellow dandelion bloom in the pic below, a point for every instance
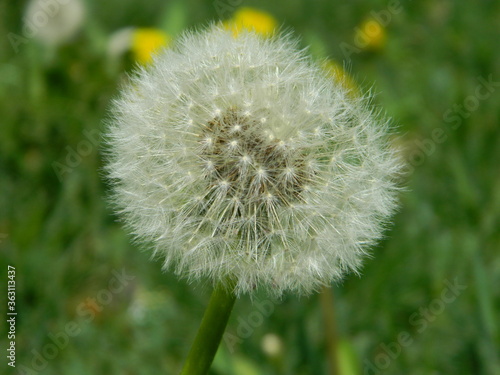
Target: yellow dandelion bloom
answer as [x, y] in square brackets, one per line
[146, 42]
[251, 19]
[342, 77]
[371, 34]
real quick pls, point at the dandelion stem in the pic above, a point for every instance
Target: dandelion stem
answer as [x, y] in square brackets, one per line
[328, 306]
[210, 333]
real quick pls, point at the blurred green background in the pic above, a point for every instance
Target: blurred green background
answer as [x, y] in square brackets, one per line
[427, 302]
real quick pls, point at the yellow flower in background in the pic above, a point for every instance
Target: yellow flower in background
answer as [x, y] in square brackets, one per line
[251, 19]
[341, 76]
[146, 42]
[370, 35]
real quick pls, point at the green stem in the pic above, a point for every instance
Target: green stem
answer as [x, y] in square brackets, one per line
[328, 305]
[210, 333]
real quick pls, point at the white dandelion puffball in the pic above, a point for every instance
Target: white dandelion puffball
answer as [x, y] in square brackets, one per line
[54, 22]
[240, 159]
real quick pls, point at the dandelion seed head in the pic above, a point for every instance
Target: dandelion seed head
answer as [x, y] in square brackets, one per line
[57, 23]
[262, 169]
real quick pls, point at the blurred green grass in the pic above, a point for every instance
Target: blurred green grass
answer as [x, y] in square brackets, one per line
[65, 242]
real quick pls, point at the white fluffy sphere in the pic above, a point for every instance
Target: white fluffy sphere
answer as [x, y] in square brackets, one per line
[239, 158]
[54, 22]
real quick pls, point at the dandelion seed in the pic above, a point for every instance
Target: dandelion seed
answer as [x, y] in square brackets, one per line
[283, 194]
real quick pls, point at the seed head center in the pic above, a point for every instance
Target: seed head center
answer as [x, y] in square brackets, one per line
[249, 163]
